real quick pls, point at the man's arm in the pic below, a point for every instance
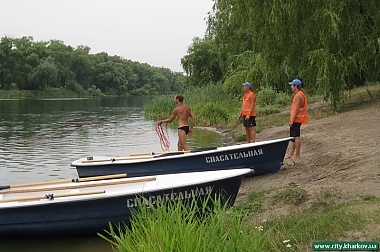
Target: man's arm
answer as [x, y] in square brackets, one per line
[252, 100]
[297, 109]
[171, 118]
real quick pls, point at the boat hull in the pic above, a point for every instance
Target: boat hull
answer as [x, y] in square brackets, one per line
[261, 158]
[93, 215]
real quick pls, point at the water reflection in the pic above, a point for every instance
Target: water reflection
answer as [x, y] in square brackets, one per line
[40, 138]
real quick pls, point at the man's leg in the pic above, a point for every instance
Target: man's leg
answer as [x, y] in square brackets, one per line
[248, 133]
[291, 154]
[253, 134]
[179, 147]
[297, 147]
[295, 131]
[182, 141]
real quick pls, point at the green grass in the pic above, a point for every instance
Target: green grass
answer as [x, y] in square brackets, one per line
[303, 229]
[46, 93]
[254, 203]
[292, 195]
[55, 93]
[179, 227]
[160, 106]
[329, 216]
[11, 94]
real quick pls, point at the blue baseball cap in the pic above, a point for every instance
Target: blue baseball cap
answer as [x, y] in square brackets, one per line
[296, 82]
[247, 84]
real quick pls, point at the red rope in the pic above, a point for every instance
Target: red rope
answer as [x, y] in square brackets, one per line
[164, 141]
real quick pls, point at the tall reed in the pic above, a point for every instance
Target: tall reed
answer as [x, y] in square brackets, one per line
[214, 106]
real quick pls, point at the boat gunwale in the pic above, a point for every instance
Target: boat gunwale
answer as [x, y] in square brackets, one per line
[133, 160]
[140, 190]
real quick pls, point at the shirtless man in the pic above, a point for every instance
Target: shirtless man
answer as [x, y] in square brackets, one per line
[183, 112]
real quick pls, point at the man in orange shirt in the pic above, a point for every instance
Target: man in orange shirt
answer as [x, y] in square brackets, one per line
[298, 116]
[248, 111]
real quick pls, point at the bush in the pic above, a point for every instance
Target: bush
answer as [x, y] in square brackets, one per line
[13, 86]
[94, 91]
[266, 96]
[283, 99]
[267, 110]
[212, 114]
[74, 86]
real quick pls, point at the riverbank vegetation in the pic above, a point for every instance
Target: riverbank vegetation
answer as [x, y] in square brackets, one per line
[39, 65]
[218, 108]
[332, 45]
[179, 227]
[45, 93]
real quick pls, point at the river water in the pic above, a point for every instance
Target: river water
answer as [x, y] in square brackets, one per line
[40, 138]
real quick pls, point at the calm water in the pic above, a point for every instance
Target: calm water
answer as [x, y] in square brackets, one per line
[40, 138]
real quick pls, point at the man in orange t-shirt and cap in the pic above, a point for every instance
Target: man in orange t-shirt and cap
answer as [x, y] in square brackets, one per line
[248, 111]
[298, 116]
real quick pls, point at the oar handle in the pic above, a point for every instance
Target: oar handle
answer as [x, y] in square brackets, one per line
[157, 153]
[114, 176]
[65, 181]
[116, 159]
[52, 196]
[78, 186]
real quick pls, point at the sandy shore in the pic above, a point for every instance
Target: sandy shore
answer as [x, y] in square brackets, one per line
[340, 152]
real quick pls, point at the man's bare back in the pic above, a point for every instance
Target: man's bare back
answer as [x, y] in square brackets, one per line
[183, 112]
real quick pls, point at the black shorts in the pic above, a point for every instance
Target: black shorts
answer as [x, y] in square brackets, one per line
[251, 122]
[295, 130]
[185, 128]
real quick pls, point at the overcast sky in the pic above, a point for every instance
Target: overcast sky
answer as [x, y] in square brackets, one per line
[157, 32]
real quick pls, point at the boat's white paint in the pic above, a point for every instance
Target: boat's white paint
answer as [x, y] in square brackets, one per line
[138, 159]
[162, 182]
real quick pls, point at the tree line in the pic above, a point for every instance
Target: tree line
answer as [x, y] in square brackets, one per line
[331, 44]
[37, 65]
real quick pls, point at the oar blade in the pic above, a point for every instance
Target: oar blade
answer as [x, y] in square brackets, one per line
[5, 187]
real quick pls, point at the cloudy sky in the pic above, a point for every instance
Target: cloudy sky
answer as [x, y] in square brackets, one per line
[157, 32]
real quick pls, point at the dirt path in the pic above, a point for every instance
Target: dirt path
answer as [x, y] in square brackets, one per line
[339, 152]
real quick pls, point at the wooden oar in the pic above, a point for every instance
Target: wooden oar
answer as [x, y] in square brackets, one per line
[80, 186]
[52, 196]
[173, 152]
[65, 181]
[116, 159]
[157, 153]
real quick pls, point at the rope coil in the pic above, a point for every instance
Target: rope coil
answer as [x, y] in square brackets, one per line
[164, 141]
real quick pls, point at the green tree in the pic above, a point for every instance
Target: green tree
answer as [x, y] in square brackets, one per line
[45, 74]
[330, 44]
[26, 64]
[62, 56]
[202, 63]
